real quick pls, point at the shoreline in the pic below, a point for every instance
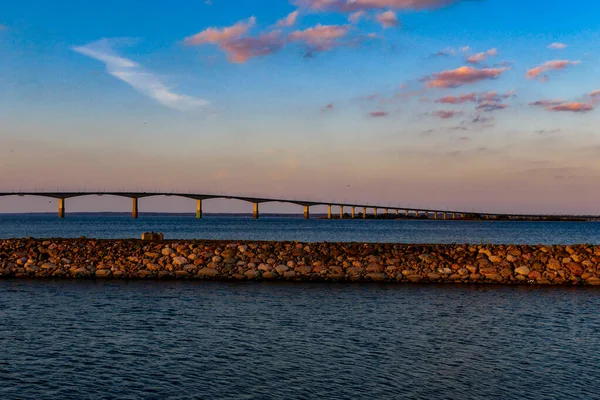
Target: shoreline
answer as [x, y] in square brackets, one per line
[234, 260]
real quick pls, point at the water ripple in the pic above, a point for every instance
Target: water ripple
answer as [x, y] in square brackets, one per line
[188, 340]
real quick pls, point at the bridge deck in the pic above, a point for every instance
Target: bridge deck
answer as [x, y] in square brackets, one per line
[305, 203]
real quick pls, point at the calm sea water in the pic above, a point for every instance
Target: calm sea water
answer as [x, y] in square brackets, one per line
[191, 340]
[279, 228]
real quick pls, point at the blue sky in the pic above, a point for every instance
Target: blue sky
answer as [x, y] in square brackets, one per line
[93, 93]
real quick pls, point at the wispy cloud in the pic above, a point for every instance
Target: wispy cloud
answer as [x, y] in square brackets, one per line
[446, 114]
[219, 35]
[133, 74]
[355, 17]
[549, 66]
[557, 46]
[388, 19]
[481, 57]
[378, 114]
[462, 76]
[289, 20]
[560, 105]
[320, 37]
[356, 5]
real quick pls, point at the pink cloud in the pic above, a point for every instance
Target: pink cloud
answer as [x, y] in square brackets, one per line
[549, 66]
[216, 35]
[356, 5]
[327, 107]
[559, 105]
[462, 76]
[356, 16]
[557, 46]
[320, 37]
[388, 19]
[573, 107]
[595, 93]
[288, 21]
[480, 57]
[463, 98]
[489, 106]
[241, 49]
[446, 114]
[378, 114]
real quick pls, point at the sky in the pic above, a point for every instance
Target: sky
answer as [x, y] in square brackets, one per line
[477, 105]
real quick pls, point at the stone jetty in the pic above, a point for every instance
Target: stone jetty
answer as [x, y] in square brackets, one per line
[294, 261]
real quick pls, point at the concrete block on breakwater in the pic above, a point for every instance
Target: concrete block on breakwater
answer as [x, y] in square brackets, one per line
[293, 261]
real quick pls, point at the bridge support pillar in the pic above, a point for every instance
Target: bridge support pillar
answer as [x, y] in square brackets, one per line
[364, 212]
[306, 212]
[386, 212]
[134, 208]
[435, 215]
[406, 212]
[199, 209]
[353, 212]
[341, 212]
[375, 212]
[445, 215]
[416, 214]
[453, 215]
[329, 216]
[61, 208]
[255, 213]
[397, 212]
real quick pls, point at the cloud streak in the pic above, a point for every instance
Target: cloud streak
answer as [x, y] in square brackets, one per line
[560, 105]
[462, 76]
[549, 66]
[134, 75]
[357, 5]
[320, 37]
[481, 57]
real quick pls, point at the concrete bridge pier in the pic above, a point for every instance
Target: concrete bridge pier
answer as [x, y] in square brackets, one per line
[445, 215]
[397, 212]
[386, 212]
[435, 215]
[255, 213]
[453, 215]
[353, 212]
[198, 209]
[406, 212]
[329, 216]
[341, 212]
[364, 212]
[306, 212]
[134, 208]
[375, 212]
[61, 208]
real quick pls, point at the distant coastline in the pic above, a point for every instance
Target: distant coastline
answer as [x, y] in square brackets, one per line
[295, 261]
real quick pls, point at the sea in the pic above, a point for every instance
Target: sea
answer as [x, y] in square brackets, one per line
[82, 339]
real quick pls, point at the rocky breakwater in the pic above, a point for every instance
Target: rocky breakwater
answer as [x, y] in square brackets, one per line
[221, 260]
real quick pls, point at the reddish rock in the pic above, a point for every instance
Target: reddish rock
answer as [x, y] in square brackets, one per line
[534, 275]
[575, 268]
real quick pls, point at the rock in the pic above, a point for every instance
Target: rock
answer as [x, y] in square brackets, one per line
[270, 275]
[534, 275]
[103, 273]
[575, 268]
[522, 270]
[48, 266]
[251, 274]
[208, 273]
[281, 269]
[433, 277]
[289, 274]
[594, 281]
[415, 278]
[183, 274]
[427, 258]
[495, 259]
[81, 272]
[180, 261]
[377, 277]
[167, 251]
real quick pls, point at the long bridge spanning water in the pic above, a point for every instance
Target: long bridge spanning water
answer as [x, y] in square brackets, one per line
[408, 212]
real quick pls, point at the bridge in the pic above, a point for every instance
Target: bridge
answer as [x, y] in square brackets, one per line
[306, 204]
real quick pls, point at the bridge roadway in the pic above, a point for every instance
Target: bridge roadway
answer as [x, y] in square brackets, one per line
[408, 211]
